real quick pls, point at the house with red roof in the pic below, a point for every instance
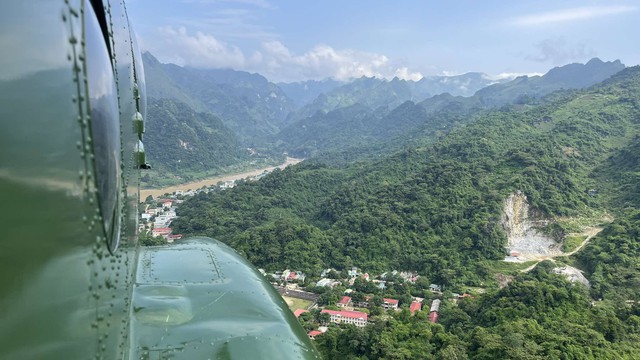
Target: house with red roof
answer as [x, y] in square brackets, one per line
[433, 311]
[356, 318]
[161, 231]
[415, 306]
[172, 238]
[313, 333]
[390, 304]
[344, 302]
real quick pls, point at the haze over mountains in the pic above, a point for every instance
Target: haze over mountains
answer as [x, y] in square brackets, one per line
[324, 117]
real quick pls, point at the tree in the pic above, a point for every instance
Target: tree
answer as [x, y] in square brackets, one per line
[147, 239]
[324, 318]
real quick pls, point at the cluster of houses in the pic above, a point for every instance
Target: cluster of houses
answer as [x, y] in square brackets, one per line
[348, 312]
[381, 282]
[286, 275]
[157, 219]
[361, 319]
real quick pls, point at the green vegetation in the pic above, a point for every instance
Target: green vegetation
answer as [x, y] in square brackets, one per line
[505, 267]
[612, 260]
[184, 145]
[572, 242]
[437, 208]
[147, 239]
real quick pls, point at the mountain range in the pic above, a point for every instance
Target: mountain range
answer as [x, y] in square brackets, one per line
[374, 115]
[393, 181]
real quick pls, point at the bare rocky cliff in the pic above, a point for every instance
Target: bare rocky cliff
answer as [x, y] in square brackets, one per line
[525, 240]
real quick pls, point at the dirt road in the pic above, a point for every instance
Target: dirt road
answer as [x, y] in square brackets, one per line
[590, 232]
[213, 180]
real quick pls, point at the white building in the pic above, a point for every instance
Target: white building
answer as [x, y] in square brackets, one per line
[356, 318]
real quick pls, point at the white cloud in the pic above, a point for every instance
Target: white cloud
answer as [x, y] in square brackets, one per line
[573, 14]
[278, 62]
[404, 74]
[510, 75]
[274, 60]
[198, 50]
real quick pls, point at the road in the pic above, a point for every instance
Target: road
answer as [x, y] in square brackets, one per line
[590, 232]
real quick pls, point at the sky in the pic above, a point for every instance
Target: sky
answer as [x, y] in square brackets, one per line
[297, 40]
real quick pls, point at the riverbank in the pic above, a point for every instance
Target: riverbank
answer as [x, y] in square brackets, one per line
[144, 193]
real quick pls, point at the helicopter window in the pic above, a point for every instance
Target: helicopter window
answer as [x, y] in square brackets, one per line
[105, 127]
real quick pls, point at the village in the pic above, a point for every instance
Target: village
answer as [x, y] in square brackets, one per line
[336, 298]
[352, 297]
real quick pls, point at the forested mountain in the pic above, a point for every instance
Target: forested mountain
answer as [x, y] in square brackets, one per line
[393, 126]
[262, 114]
[375, 93]
[358, 129]
[434, 209]
[304, 92]
[571, 76]
[366, 118]
[247, 103]
[367, 91]
[379, 93]
[179, 140]
[437, 209]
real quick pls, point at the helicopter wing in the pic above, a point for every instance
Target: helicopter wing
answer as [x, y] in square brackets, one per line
[199, 299]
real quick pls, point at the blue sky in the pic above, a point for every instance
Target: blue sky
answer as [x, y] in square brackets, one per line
[293, 40]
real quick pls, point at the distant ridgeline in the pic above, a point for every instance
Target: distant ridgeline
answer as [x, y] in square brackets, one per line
[436, 208]
[409, 119]
[338, 121]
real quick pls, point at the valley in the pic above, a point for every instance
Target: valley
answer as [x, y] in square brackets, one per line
[540, 171]
[155, 193]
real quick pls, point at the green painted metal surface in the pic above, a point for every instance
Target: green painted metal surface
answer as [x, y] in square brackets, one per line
[74, 284]
[200, 300]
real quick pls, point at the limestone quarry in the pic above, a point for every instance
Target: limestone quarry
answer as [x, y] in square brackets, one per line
[526, 242]
[525, 239]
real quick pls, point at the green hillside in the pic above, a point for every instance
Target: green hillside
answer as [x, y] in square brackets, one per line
[248, 104]
[179, 140]
[434, 209]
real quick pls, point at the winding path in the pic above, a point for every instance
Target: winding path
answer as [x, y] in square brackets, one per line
[590, 232]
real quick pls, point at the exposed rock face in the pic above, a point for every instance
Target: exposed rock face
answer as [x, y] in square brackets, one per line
[524, 238]
[572, 274]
